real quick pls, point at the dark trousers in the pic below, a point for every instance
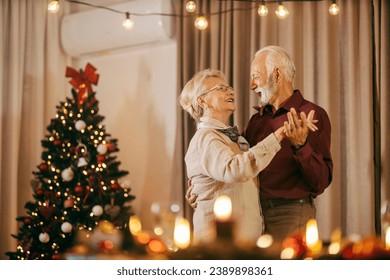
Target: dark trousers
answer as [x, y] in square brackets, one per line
[285, 220]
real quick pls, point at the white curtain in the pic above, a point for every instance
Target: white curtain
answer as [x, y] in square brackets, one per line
[32, 69]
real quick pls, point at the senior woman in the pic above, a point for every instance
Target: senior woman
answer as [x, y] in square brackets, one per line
[219, 161]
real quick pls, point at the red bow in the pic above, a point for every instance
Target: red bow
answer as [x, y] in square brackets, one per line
[82, 81]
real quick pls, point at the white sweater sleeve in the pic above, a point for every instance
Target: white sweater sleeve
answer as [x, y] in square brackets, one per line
[219, 161]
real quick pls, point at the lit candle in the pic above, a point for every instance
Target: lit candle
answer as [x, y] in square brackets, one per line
[182, 233]
[312, 241]
[387, 240]
[223, 213]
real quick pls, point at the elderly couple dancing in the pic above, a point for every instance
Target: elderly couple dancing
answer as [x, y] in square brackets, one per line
[271, 171]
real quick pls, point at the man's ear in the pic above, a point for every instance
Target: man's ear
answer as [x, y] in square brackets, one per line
[278, 74]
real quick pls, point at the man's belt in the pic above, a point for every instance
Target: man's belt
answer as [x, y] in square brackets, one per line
[275, 202]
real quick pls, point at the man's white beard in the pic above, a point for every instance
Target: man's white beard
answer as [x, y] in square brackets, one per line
[266, 92]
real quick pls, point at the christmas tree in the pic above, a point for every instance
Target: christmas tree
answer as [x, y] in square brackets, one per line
[76, 186]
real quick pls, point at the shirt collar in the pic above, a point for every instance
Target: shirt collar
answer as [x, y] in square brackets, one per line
[207, 122]
[294, 101]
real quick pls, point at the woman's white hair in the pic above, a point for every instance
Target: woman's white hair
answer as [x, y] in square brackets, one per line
[278, 57]
[194, 88]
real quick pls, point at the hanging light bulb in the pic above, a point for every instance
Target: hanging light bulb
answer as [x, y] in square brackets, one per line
[281, 12]
[190, 6]
[262, 10]
[53, 7]
[334, 9]
[201, 23]
[128, 23]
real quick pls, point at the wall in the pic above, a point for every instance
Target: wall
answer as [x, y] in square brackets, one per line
[137, 95]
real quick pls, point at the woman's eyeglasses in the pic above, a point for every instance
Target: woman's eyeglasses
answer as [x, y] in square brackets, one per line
[223, 88]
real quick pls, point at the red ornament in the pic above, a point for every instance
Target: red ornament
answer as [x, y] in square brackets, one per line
[43, 167]
[115, 186]
[57, 142]
[111, 147]
[55, 257]
[101, 158]
[39, 192]
[82, 81]
[68, 203]
[27, 221]
[79, 189]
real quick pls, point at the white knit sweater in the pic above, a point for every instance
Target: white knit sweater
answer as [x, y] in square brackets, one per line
[217, 166]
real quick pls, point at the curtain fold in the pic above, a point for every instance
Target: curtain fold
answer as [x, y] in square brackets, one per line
[335, 69]
[31, 81]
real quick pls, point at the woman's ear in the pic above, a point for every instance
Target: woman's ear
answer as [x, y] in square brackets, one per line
[200, 101]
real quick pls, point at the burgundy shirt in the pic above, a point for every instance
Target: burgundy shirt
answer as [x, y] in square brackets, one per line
[294, 173]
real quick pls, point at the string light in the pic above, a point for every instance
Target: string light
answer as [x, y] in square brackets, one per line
[128, 23]
[262, 10]
[190, 6]
[281, 12]
[334, 9]
[201, 23]
[53, 7]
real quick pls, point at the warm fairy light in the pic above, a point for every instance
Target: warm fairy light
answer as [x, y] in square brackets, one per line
[223, 208]
[158, 230]
[157, 246]
[334, 248]
[143, 238]
[287, 253]
[334, 9]
[335, 245]
[312, 240]
[264, 241]
[53, 7]
[387, 238]
[182, 233]
[135, 226]
[201, 23]
[281, 12]
[262, 10]
[335, 242]
[128, 23]
[190, 6]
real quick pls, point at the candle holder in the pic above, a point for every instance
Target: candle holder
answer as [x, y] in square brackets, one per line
[224, 223]
[225, 229]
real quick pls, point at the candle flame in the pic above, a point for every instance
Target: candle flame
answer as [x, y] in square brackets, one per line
[182, 233]
[312, 240]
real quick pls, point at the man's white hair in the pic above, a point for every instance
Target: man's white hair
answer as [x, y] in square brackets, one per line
[277, 57]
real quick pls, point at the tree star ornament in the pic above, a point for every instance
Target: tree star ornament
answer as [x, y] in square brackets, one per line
[82, 81]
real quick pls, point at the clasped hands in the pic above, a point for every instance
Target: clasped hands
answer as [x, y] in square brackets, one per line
[295, 129]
